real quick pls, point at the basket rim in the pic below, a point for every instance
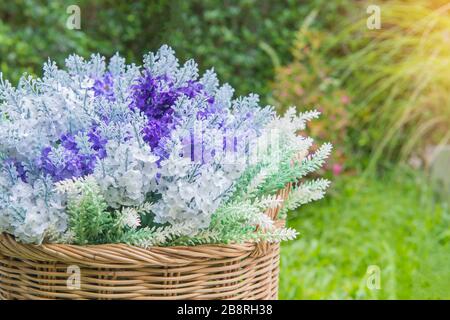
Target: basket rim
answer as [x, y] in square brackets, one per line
[124, 255]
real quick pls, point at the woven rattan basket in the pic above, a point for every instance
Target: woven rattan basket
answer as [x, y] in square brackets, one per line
[119, 271]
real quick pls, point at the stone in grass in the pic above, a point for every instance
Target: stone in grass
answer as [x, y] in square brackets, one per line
[440, 170]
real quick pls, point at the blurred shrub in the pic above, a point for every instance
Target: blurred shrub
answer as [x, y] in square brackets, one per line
[398, 78]
[307, 82]
[234, 36]
[33, 30]
[29, 31]
[237, 37]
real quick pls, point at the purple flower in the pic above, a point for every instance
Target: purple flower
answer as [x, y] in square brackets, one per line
[74, 163]
[155, 96]
[98, 142]
[70, 166]
[104, 87]
[20, 169]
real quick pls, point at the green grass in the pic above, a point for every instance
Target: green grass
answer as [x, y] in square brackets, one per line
[394, 223]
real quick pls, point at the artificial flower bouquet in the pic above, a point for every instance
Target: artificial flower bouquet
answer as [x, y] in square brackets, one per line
[147, 157]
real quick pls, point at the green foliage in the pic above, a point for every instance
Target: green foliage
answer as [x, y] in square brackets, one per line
[392, 222]
[290, 171]
[243, 28]
[398, 80]
[33, 30]
[240, 222]
[309, 81]
[153, 236]
[89, 220]
[304, 193]
[239, 38]
[383, 93]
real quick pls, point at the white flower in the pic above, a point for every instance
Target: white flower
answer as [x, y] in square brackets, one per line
[127, 174]
[130, 217]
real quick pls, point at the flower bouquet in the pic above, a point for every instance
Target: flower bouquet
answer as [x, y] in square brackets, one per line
[145, 182]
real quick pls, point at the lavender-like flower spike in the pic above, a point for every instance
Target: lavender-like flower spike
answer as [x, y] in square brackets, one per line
[104, 87]
[155, 96]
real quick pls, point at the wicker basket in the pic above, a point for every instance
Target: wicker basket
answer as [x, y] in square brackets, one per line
[118, 271]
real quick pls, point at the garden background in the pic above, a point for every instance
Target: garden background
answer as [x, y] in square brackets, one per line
[384, 95]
